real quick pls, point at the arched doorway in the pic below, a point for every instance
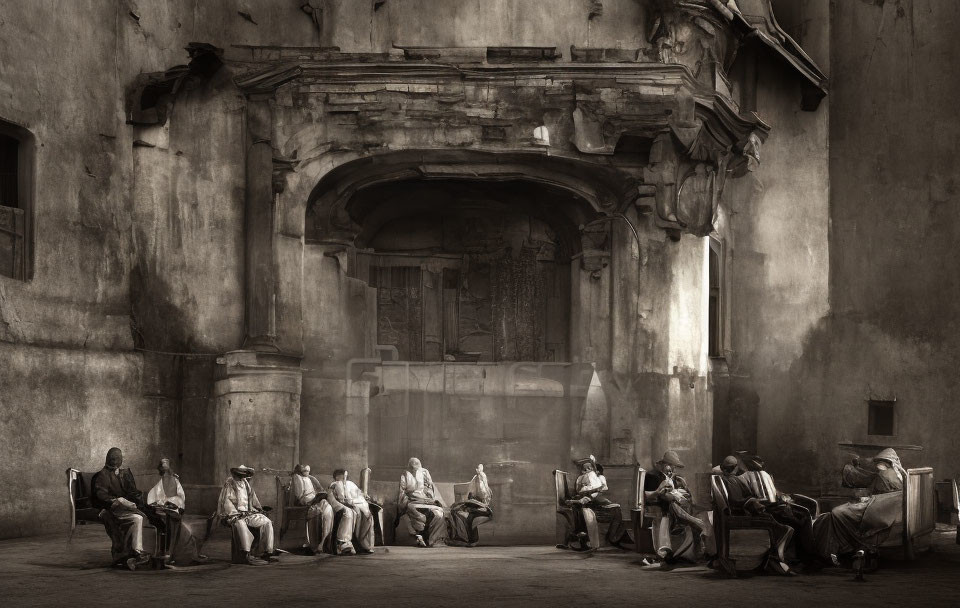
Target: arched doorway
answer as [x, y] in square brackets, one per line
[452, 316]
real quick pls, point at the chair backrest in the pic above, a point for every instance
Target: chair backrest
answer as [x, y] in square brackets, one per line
[719, 493]
[919, 506]
[285, 496]
[766, 484]
[561, 486]
[639, 498]
[365, 481]
[461, 491]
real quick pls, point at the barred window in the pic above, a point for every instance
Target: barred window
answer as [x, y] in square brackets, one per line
[16, 198]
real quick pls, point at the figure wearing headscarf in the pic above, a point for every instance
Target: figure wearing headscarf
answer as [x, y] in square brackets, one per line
[866, 524]
[669, 491]
[115, 492]
[309, 492]
[356, 520]
[240, 509]
[420, 502]
[166, 503]
[467, 515]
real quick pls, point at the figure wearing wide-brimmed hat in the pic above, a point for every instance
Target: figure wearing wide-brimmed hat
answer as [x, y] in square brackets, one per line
[667, 490]
[240, 509]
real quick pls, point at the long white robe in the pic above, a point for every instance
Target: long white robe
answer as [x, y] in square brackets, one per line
[319, 514]
[240, 508]
[184, 544]
[356, 519]
[417, 498]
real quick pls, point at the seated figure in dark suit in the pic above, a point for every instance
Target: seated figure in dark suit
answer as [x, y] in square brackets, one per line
[115, 492]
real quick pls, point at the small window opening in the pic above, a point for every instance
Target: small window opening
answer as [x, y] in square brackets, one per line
[14, 201]
[9, 171]
[881, 417]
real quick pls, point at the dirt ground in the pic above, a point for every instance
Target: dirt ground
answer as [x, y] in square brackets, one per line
[47, 570]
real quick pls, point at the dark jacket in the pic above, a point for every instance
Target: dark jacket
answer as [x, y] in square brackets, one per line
[108, 486]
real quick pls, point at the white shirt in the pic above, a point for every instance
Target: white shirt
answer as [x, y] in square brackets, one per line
[347, 492]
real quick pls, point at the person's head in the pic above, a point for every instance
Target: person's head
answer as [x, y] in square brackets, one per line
[340, 475]
[587, 466]
[114, 458]
[667, 470]
[414, 464]
[241, 472]
[886, 459]
[729, 465]
[164, 467]
[669, 458]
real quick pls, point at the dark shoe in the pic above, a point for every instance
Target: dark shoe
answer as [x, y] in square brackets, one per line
[253, 561]
[138, 561]
[269, 557]
[365, 551]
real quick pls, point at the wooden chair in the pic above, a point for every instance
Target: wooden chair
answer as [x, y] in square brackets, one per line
[761, 484]
[643, 518]
[631, 502]
[82, 511]
[288, 510]
[375, 509]
[757, 537]
[919, 513]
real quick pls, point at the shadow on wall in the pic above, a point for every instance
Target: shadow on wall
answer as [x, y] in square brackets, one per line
[822, 400]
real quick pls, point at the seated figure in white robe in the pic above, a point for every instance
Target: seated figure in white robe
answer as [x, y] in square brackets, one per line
[168, 502]
[240, 509]
[356, 520]
[422, 504]
[309, 492]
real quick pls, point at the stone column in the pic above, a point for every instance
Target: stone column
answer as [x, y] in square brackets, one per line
[256, 401]
[259, 225]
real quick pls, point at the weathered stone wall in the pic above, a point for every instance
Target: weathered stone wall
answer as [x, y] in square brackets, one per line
[775, 225]
[365, 27]
[895, 300]
[140, 245]
[135, 246]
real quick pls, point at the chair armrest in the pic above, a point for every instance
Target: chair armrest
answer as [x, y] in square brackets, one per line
[810, 503]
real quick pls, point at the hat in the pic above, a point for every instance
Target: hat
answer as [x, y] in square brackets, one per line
[591, 459]
[887, 455]
[750, 462]
[243, 471]
[670, 457]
